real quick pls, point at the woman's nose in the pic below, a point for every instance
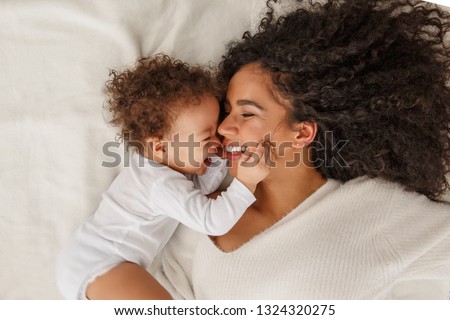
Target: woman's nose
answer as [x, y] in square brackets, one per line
[227, 127]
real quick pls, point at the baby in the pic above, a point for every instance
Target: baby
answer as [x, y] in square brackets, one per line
[169, 112]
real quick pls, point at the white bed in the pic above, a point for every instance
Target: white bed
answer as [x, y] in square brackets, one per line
[54, 60]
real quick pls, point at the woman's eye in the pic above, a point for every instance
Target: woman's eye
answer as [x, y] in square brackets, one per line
[247, 115]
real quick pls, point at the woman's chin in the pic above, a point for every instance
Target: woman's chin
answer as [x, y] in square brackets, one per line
[235, 156]
[233, 167]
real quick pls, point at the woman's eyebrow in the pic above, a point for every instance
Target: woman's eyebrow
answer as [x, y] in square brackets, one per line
[245, 102]
[249, 102]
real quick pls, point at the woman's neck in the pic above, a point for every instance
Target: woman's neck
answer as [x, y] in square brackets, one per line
[283, 190]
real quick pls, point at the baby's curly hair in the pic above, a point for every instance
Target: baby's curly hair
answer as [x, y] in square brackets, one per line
[146, 100]
[373, 72]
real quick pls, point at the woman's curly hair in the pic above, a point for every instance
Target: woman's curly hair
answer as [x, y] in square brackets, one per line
[374, 73]
[146, 100]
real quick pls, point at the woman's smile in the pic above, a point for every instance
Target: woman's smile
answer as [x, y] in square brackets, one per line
[233, 150]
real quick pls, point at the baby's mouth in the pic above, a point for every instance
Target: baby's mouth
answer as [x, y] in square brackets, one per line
[207, 162]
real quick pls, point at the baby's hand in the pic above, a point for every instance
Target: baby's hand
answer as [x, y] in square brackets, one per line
[253, 166]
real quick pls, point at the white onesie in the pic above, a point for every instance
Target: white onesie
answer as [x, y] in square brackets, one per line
[139, 213]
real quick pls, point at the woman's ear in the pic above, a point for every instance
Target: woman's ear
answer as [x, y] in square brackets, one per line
[305, 132]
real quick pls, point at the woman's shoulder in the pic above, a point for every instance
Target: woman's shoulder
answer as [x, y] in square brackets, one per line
[379, 188]
[368, 198]
[390, 203]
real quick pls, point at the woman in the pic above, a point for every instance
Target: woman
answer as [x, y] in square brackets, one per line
[353, 99]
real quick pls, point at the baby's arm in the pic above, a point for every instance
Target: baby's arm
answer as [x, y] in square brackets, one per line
[183, 202]
[213, 178]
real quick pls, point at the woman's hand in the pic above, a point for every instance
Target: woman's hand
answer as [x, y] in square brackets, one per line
[254, 165]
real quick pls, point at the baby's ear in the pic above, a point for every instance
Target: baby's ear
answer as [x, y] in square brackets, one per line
[304, 132]
[155, 145]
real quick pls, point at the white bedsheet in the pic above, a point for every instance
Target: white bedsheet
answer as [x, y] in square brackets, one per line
[54, 61]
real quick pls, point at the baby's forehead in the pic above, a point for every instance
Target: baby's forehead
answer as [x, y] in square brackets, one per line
[196, 103]
[201, 115]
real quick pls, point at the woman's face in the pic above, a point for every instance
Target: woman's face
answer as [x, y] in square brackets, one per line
[254, 115]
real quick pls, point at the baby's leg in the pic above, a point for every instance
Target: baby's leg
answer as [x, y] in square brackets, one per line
[126, 281]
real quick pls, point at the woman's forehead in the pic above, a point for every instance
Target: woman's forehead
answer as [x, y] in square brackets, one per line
[254, 83]
[250, 80]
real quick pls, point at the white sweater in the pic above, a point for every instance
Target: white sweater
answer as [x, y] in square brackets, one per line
[139, 213]
[346, 241]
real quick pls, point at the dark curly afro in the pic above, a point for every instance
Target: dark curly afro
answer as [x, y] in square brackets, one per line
[374, 73]
[146, 100]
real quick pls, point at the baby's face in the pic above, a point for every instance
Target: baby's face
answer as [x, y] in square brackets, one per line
[193, 138]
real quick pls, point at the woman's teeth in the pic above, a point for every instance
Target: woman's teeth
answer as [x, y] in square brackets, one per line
[235, 149]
